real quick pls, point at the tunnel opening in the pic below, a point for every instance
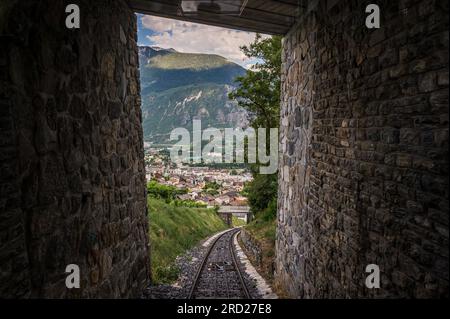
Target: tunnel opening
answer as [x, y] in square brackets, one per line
[185, 87]
[363, 137]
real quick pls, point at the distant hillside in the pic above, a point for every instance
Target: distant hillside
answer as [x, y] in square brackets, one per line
[179, 87]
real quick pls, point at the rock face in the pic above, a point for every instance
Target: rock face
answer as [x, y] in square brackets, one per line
[71, 152]
[363, 173]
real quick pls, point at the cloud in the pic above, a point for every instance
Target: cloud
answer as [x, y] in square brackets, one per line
[193, 37]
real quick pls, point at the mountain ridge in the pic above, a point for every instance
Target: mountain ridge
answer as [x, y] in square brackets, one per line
[179, 87]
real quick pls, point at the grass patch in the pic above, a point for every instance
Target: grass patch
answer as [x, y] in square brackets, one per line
[264, 226]
[237, 222]
[173, 230]
[262, 229]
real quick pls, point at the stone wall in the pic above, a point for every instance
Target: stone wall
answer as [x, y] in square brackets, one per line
[71, 151]
[364, 142]
[251, 247]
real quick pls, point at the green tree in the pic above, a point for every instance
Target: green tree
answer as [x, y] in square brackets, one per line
[261, 191]
[258, 92]
[259, 89]
[212, 188]
[160, 191]
[212, 185]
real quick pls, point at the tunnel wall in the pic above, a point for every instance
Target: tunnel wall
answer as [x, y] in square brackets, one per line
[71, 151]
[363, 173]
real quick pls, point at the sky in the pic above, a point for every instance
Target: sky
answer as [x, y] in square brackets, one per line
[190, 37]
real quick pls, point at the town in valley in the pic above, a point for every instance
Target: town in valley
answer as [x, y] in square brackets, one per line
[207, 185]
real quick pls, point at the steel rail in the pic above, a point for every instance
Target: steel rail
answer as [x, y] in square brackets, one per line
[236, 265]
[205, 260]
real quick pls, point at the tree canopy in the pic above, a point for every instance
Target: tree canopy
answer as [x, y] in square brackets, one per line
[258, 92]
[259, 89]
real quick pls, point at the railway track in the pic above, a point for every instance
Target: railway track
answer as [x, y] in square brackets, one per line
[219, 275]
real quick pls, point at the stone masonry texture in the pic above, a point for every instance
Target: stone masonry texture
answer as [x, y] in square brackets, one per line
[363, 175]
[71, 151]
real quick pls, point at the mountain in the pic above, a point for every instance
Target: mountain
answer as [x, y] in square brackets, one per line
[177, 88]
